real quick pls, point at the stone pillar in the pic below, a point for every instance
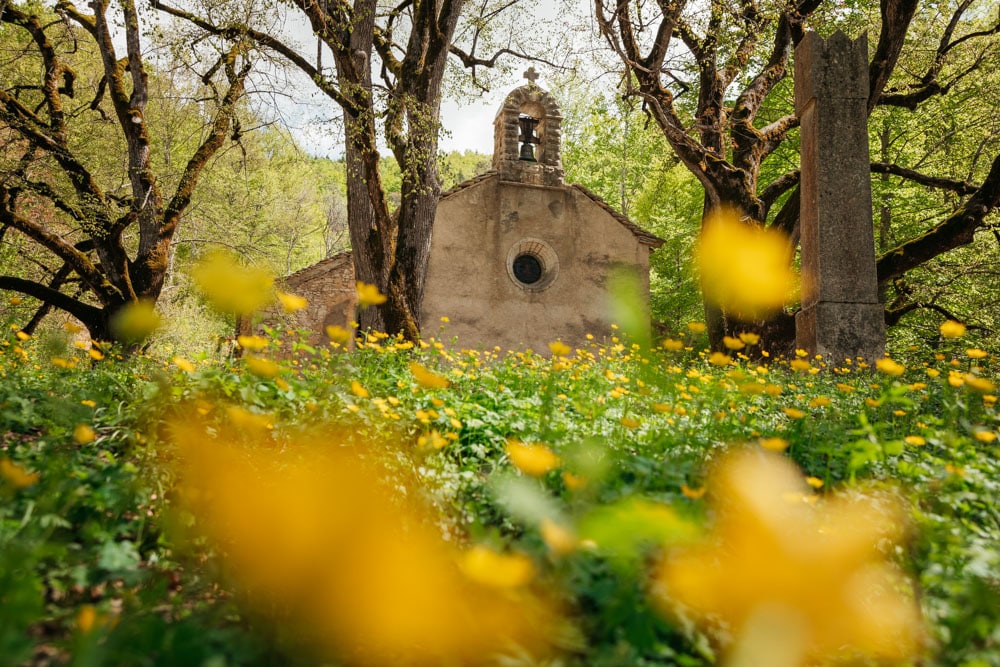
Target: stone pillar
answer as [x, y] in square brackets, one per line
[841, 316]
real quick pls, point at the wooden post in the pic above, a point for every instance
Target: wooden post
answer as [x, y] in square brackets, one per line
[841, 316]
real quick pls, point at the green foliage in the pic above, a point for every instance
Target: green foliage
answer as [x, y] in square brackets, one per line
[96, 568]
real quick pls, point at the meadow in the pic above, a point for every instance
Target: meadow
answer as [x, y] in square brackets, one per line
[629, 502]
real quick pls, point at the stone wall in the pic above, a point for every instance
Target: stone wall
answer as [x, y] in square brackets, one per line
[483, 227]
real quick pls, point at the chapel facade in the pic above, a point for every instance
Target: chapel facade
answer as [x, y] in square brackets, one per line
[518, 258]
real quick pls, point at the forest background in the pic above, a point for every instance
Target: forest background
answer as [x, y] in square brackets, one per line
[264, 194]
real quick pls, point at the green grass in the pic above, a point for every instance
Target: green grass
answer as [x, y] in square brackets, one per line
[101, 565]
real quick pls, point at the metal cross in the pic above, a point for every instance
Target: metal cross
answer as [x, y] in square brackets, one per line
[530, 74]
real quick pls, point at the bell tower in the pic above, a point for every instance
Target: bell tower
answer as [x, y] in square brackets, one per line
[527, 132]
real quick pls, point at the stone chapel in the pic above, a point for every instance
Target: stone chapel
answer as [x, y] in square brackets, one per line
[518, 258]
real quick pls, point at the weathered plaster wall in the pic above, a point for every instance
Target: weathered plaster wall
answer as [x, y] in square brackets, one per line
[469, 278]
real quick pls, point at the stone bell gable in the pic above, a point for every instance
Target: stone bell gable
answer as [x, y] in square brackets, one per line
[535, 104]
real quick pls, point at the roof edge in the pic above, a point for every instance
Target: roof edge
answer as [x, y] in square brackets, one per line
[644, 237]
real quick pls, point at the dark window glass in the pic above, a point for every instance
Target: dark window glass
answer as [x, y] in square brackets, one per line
[527, 269]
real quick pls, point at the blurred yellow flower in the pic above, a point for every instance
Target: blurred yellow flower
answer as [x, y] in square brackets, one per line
[485, 566]
[338, 333]
[719, 359]
[531, 459]
[696, 327]
[95, 354]
[749, 338]
[915, 440]
[359, 568]
[15, 475]
[814, 482]
[22, 335]
[136, 321]
[673, 345]
[428, 379]
[261, 367]
[573, 482]
[559, 348]
[980, 384]
[819, 402]
[890, 367]
[89, 403]
[432, 440]
[976, 353]
[358, 389]
[952, 329]
[774, 444]
[368, 295]
[231, 287]
[183, 364]
[292, 302]
[985, 436]
[628, 422]
[559, 539]
[733, 343]
[794, 413]
[794, 575]
[252, 343]
[84, 434]
[693, 494]
[799, 365]
[745, 269]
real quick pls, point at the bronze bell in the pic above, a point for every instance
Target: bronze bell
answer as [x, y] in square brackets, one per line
[528, 137]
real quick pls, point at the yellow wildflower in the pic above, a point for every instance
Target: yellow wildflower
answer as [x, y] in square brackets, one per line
[750, 572]
[432, 440]
[819, 402]
[794, 413]
[744, 268]
[976, 353]
[719, 359]
[673, 345]
[231, 287]
[890, 367]
[338, 333]
[136, 321]
[15, 475]
[559, 348]
[183, 364]
[799, 365]
[428, 379]
[531, 459]
[368, 295]
[915, 440]
[980, 384]
[573, 482]
[95, 354]
[22, 336]
[358, 389]
[693, 494]
[89, 403]
[985, 436]
[559, 539]
[749, 338]
[485, 566]
[292, 302]
[733, 343]
[952, 329]
[628, 422]
[814, 482]
[261, 367]
[252, 343]
[696, 327]
[774, 444]
[84, 434]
